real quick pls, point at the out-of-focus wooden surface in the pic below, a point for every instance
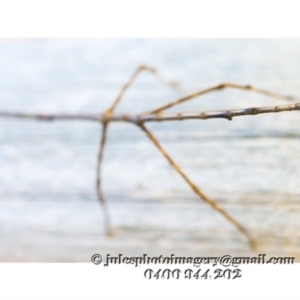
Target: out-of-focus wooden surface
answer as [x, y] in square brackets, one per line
[250, 166]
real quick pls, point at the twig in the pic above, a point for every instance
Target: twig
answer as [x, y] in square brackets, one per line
[105, 122]
[197, 190]
[133, 77]
[221, 87]
[98, 181]
[157, 116]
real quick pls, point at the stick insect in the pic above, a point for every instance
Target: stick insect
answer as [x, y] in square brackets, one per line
[159, 115]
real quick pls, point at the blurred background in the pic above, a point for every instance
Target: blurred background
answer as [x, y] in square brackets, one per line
[250, 166]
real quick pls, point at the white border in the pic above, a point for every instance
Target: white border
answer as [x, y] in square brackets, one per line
[135, 18]
[87, 281]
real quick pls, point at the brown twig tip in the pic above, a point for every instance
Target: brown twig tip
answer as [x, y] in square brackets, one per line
[157, 116]
[253, 245]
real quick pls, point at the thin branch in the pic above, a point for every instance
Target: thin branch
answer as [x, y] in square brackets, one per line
[105, 121]
[215, 114]
[52, 117]
[221, 87]
[133, 77]
[141, 118]
[98, 181]
[197, 190]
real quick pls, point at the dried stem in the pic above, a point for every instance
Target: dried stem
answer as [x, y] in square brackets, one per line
[105, 120]
[157, 117]
[221, 87]
[133, 77]
[197, 190]
[100, 195]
